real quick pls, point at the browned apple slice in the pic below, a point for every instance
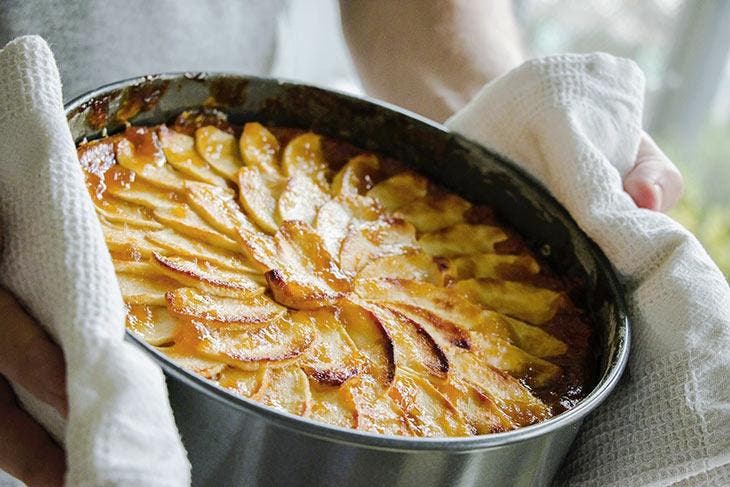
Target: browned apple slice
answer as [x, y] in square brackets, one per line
[135, 268]
[513, 398]
[435, 211]
[260, 249]
[493, 266]
[220, 151]
[376, 410]
[371, 339]
[180, 153]
[206, 277]
[153, 324]
[535, 340]
[210, 369]
[287, 390]
[427, 411]
[127, 242]
[192, 303]
[356, 177]
[301, 199]
[416, 266]
[501, 354]
[524, 301]
[387, 236]
[442, 330]
[143, 290]
[332, 405]
[259, 193]
[245, 383]
[445, 303]
[333, 357]
[124, 184]
[170, 242]
[218, 207]
[303, 155]
[462, 239]
[147, 160]
[479, 411]
[274, 343]
[335, 217]
[399, 190]
[183, 219]
[259, 148]
[123, 213]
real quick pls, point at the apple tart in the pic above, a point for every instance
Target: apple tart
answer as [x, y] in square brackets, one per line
[313, 277]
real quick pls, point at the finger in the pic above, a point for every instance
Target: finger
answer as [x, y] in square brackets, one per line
[655, 182]
[26, 450]
[28, 357]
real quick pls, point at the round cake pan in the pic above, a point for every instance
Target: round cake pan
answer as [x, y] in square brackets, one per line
[234, 441]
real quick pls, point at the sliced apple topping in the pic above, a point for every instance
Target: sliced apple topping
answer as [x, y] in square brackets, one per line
[416, 266]
[535, 340]
[245, 383]
[143, 290]
[376, 410]
[494, 266]
[124, 184]
[148, 166]
[180, 152]
[220, 151]
[462, 239]
[524, 301]
[210, 369]
[301, 199]
[123, 213]
[170, 242]
[153, 324]
[207, 278]
[193, 303]
[303, 155]
[260, 148]
[435, 212]
[218, 207]
[183, 219]
[332, 405]
[333, 357]
[128, 242]
[259, 194]
[399, 190]
[479, 411]
[371, 240]
[287, 390]
[356, 177]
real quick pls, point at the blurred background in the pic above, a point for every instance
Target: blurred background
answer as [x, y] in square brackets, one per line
[683, 47]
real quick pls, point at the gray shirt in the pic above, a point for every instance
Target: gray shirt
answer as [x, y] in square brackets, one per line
[100, 41]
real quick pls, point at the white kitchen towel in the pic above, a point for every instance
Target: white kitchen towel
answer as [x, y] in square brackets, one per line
[120, 429]
[574, 122]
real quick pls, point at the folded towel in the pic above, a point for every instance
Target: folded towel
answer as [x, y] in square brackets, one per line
[120, 429]
[574, 122]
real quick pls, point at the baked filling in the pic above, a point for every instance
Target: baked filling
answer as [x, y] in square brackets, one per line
[335, 284]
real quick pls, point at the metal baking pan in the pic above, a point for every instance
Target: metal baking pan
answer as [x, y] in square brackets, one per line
[234, 441]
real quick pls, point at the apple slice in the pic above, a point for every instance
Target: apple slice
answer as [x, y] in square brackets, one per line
[356, 177]
[493, 266]
[124, 184]
[335, 217]
[183, 219]
[416, 266]
[332, 405]
[207, 278]
[303, 155]
[524, 301]
[480, 412]
[513, 398]
[169, 242]
[333, 357]
[192, 303]
[259, 148]
[371, 240]
[247, 348]
[143, 290]
[435, 212]
[443, 331]
[399, 190]
[220, 151]
[210, 369]
[376, 411]
[123, 213]
[245, 383]
[287, 390]
[180, 153]
[127, 241]
[535, 340]
[259, 194]
[147, 164]
[135, 268]
[371, 339]
[445, 303]
[428, 412]
[152, 324]
[218, 207]
[462, 239]
[301, 199]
